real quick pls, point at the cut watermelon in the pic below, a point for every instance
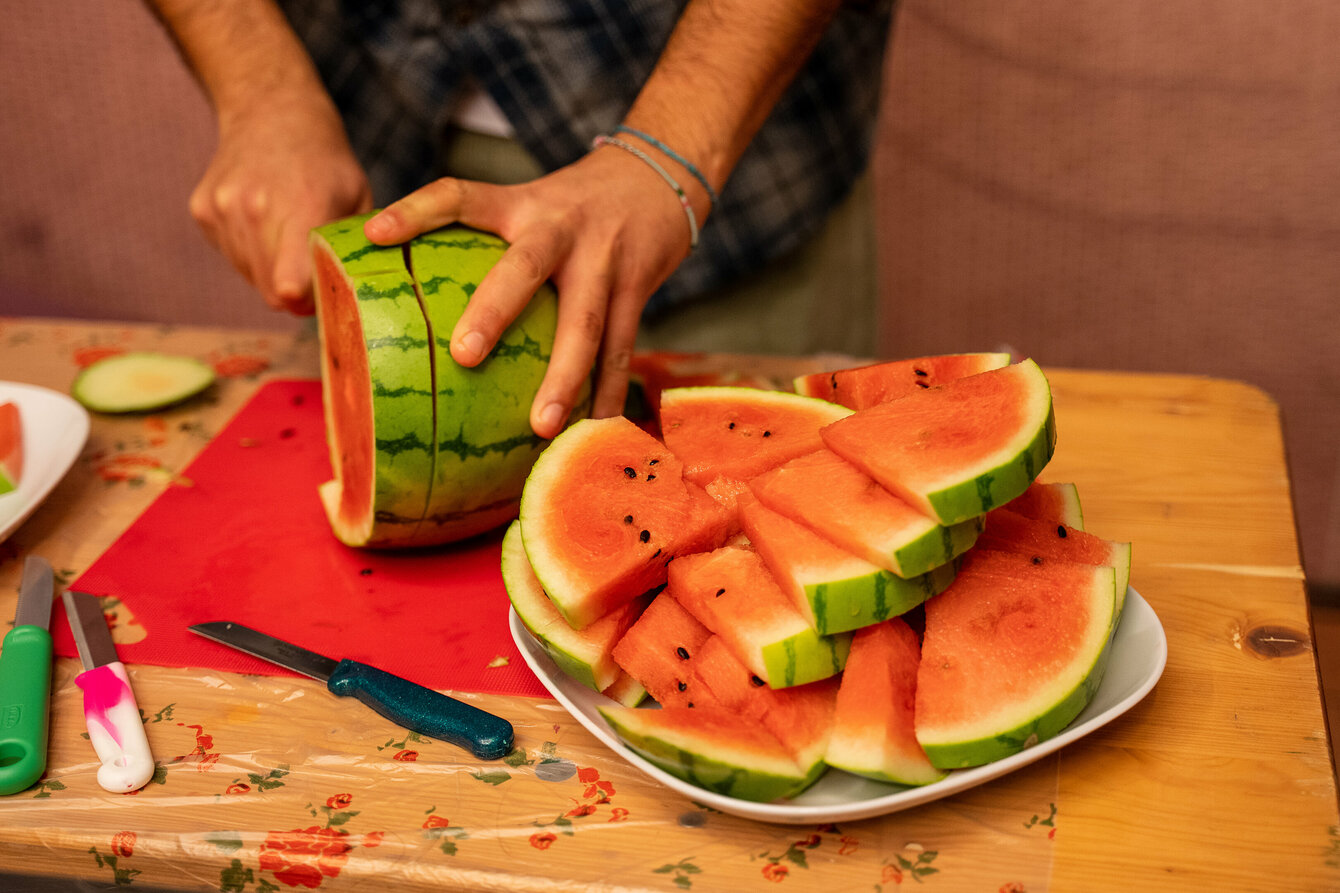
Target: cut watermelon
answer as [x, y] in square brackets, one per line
[11, 447]
[1011, 532]
[1058, 503]
[659, 650]
[842, 504]
[738, 433]
[140, 381]
[731, 593]
[711, 748]
[377, 388]
[959, 450]
[834, 590]
[1012, 652]
[585, 655]
[603, 513]
[866, 386]
[873, 728]
[626, 691]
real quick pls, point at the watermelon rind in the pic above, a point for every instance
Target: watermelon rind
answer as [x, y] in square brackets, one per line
[140, 381]
[376, 386]
[625, 691]
[1004, 730]
[484, 446]
[712, 749]
[1057, 502]
[11, 447]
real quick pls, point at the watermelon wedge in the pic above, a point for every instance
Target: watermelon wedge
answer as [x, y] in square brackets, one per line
[731, 593]
[711, 748]
[957, 451]
[866, 386]
[11, 447]
[840, 503]
[874, 732]
[604, 512]
[659, 649]
[585, 655]
[377, 388]
[1058, 503]
[1011, 654]
[834, 590]
[738, 433]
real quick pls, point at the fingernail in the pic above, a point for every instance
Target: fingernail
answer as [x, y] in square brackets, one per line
[376, 227]
[472, 347]
[551, 417]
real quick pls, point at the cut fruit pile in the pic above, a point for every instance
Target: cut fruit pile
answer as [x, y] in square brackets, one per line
[882, 587]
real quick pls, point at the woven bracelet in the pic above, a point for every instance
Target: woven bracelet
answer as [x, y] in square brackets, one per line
[675, 156]
[665, 175]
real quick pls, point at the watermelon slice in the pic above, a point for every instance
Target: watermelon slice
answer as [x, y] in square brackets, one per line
[11, 447]
[874, 734]
[659, 649]
[866, 386]
[140, 381]
[603, 513]
[377, 388]
[834, 590]
[1011, 532]
[738, 433]
[626, 690]
[731, 593]
[840, 503]
[1011, 654]
[711, 748]
[1058, 503]
[959, 450]
[585, 655]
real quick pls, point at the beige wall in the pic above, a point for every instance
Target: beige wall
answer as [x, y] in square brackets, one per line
[1134, 185]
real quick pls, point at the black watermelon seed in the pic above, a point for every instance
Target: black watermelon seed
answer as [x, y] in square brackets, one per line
[683, 686]
[682, 652]
[1060, 530]
[922, 384]
[628, 519]
[757, 681]
[656, 554]
[1037, 559]
[651, 477]
[720, 593]
[921, 372]
[767, 433]
[731, 426]
[832, 381]
[653, 461]
[644, 535]
[628, 470]
[690, 703]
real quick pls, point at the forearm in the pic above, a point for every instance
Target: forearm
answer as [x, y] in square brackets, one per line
[724, 68]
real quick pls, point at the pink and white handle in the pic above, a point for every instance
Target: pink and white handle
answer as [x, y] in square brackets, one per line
[115, 728]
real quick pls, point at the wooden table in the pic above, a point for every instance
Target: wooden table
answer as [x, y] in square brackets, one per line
[1221, 778]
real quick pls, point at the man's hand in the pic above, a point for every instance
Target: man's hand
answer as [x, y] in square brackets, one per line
[607, 230]
[278, 172]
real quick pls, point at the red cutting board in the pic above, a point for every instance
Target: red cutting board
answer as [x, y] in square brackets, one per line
[247, 541]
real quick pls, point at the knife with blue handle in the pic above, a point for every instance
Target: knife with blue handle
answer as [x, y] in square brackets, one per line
[25, 681]
[405, 703]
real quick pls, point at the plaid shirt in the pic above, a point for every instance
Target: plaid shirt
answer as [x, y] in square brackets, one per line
[565, 71]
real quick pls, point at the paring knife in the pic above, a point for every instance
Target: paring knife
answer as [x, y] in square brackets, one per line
[405, 703]
[110, 710]
[25, 681]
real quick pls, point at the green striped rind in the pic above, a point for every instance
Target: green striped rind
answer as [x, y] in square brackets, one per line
[626, 691]
[934, 547]
[1000, 484]
[1033, 724]
[485, 446]
[732, 768]
[394, 337]
[804, 657]
[843, 605]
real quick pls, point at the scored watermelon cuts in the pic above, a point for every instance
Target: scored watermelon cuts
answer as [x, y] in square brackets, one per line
[11, 447]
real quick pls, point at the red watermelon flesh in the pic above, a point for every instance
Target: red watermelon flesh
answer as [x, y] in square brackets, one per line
[731, 593]
[1058, 503]
[874, 731]
[801, 717]
[1009, 531]
[659, 649]
[11, 447]
[740, 432]
[839, 502]
[866, 386]
[1012, 652]
[604, 512]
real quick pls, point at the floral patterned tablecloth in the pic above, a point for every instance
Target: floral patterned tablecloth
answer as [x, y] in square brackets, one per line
[268, 783]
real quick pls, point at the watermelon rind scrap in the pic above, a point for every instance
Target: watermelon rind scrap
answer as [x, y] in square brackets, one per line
[140, 381]
[713, 749]
[1004, 729]
[384, 376]
[913, 469]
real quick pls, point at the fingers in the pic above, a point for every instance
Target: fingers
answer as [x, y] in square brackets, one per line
[621, 325]
[441, 202]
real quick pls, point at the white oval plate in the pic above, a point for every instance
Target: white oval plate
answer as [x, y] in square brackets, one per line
[55, 429]
[1140, 650]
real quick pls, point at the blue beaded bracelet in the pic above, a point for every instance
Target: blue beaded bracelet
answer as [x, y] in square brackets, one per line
[665, 175]
[672, 154]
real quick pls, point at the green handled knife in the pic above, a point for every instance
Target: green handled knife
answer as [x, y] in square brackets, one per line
[405, 703]
[25, 681]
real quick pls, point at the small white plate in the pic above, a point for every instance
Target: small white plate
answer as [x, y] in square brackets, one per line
[1140, 650]
[55, 429]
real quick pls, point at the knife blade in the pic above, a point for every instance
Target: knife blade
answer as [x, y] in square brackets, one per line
[110, 710]
[25, 681]
[405, 703]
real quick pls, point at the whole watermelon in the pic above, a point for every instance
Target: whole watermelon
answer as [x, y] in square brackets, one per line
[424, 451]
